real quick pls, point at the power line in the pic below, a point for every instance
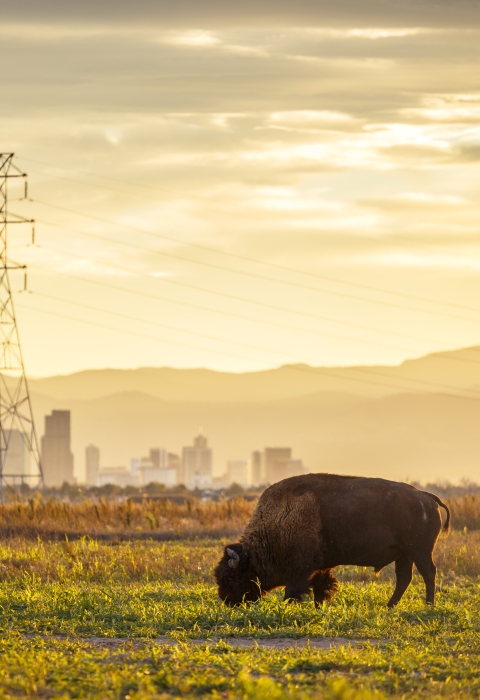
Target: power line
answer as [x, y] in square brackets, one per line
[264, 278]
[233, 314]
[242, 272]
[172, 328]
[436, 384]
[256, 260]
[195, 306]
[224, 269]
[321, 318]
[327, 372]
[395, 377]
[135, 333]
[256, 303]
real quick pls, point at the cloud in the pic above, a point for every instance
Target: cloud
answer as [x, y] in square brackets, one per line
[215, 13]
[469, 153]
[429, 260]
[412, 201]
[417, 155]
[349, 142]
[195, 39]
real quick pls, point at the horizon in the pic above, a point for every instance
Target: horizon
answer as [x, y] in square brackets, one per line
[254, 371]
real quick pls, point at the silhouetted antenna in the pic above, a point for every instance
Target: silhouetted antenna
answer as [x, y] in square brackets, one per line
[20, 461]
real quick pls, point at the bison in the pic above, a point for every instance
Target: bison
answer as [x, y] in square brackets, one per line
[304, 526]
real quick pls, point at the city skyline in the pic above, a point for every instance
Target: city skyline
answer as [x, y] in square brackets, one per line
[193, 469]
[377, 421]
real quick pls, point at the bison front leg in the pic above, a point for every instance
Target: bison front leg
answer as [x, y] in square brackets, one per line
[404, 572]
[324, 585]
[295, 590]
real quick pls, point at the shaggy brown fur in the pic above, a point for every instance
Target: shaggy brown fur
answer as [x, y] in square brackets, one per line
[304, 526]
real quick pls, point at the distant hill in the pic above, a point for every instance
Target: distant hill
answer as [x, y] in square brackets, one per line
[455, 371]
[427, 429]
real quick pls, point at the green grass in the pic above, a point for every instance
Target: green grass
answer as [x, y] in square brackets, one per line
[56, 601]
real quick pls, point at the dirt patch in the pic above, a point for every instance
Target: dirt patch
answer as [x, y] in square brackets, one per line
[277, 643]
[287, 642]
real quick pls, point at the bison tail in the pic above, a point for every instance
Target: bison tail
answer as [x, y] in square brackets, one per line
[446, 525]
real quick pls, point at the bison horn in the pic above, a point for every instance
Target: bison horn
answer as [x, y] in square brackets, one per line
[234, 558]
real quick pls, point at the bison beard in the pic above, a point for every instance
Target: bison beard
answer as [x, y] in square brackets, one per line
[305, 526]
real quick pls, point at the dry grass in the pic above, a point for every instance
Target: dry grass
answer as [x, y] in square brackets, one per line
[151, 519]
[465, 512]
[459, 553]
[156, 519]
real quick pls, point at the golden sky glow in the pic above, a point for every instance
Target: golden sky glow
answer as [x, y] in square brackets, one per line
[239, 191]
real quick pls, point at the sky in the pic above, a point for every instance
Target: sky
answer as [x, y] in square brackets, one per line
[243, 185]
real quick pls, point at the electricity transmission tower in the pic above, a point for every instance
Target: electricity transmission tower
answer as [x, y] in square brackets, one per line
[20, 461]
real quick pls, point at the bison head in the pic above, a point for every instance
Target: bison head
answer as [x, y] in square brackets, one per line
[237, 581]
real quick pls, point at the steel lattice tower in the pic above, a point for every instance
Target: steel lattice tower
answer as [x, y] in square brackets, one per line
[16, 417]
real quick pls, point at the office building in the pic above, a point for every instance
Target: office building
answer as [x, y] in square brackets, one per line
[219, 482]
[92, 465]
[174, 462]
[159, 467]
[237, 472]
[158, 456]
[197, 464]
[276, 459]
[294, 467]
[116, 476]
[57, 457]
[144, 472]
[139, 469]
[257, 468]
[16, 459]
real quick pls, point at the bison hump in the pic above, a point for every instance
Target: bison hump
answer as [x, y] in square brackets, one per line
[286, 519]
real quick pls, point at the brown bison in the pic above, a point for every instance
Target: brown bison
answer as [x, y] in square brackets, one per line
[304, 526]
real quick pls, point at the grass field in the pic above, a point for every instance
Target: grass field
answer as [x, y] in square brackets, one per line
[142, 620]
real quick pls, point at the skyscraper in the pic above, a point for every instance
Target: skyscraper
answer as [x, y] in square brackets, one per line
[17, 456]
[257, 468]
[155, 468]
[237, 472]
[276, 459]
[92, 465]
[57, 458]
[197, 464]
[175, 463]
[158, 457]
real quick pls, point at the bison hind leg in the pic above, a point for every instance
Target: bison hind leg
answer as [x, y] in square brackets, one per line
[404, 573]
[324, 585]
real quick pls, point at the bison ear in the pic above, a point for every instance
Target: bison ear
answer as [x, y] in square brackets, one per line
[234, 559]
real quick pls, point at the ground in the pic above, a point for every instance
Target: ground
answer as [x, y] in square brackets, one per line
[85, 620]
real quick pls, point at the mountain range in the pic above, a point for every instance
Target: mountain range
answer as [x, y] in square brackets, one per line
[418, 420]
